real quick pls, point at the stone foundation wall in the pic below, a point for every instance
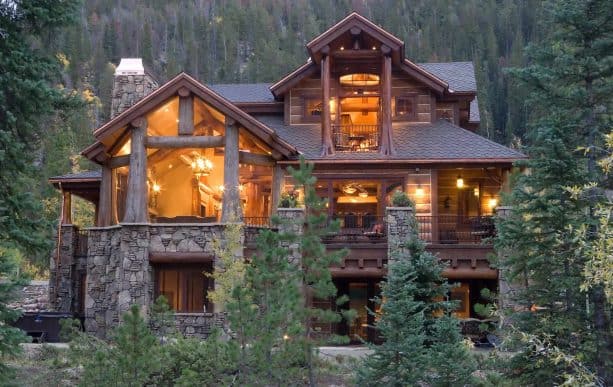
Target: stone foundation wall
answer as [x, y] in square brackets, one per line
[119, 273]
[34, 297]
[197, 325]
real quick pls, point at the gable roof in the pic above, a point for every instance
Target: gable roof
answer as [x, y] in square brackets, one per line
[168, 90]
[460, 76]
[441, 141]
[356, 21]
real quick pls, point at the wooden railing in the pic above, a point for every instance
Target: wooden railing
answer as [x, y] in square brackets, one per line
[359, 228]
[452, 229]
[356, 138]
[256, 221]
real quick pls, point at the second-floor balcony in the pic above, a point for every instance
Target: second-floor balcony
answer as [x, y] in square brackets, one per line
[356, 137]
[441, 229]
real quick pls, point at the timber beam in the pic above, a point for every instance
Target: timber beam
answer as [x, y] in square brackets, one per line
[184, 141]
[255, 159]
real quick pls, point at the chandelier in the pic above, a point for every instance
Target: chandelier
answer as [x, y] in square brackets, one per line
[201, 166]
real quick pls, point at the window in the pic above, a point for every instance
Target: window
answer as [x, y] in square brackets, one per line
[461, 294]
[185, 286]
[405, 107]
[312, 109]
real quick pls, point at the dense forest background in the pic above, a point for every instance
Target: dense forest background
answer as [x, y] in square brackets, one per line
[234, 41]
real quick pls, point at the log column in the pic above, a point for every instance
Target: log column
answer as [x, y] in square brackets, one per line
[278, 178]
[105, 203]
[66, 208]
[387, 145]
[326, 127]
[231, 207]
[186, 112]
[136, 201]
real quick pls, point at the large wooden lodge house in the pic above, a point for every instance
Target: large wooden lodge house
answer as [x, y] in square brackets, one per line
[181, 160]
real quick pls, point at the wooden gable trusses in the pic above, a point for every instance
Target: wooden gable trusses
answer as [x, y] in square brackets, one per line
[119, 130]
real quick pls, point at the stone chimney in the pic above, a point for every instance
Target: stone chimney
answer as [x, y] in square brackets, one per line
[131, 84]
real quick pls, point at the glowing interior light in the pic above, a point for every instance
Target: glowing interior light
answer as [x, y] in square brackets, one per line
[476, 191]
[156, 187]
[363, 194]
[460, 182]
[202, 166]
[493, 202]
[419, 191]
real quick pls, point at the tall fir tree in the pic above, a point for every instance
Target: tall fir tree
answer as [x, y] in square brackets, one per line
[570, 83]
[421, 339]
[315, 275]
[28, 98]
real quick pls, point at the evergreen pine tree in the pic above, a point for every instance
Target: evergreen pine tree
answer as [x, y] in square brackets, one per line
[570, 84]
[10, 282]
[421, 340]
[130, 360]
[316, 278]
[27, 98]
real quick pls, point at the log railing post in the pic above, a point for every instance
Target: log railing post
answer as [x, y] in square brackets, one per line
[326, 127]
[105, 204]
[231, 207]
[136, 200]
[387, 145]
[278, 178]
[66, 208]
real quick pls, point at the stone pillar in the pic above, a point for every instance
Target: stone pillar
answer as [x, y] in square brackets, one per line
[292, 221]
[400, 222]
[60, 279]
[134, 271]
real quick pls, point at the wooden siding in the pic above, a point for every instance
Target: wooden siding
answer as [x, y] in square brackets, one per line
[402, 84]
[450, 197]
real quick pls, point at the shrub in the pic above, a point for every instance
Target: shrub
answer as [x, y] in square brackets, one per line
[401, 199]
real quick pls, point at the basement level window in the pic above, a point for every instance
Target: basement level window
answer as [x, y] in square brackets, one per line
[185, 286]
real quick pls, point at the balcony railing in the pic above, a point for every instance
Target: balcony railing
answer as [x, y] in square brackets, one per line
[256, 221]
[442, 229]
[452, 229]
[356, 138]
[359, 228]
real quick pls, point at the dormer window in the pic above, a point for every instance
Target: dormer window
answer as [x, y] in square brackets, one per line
[313, 109]
[359, 80]
[405, 107]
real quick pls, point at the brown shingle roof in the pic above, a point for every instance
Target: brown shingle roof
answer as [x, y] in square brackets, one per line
[440, 141]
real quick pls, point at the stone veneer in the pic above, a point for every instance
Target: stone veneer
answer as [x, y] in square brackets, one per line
[400, 222]
[129, 89]
[292, 222]
[119, 274]
[61, 288]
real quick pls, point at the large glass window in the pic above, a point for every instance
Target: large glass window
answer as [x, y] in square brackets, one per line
[185, 286]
